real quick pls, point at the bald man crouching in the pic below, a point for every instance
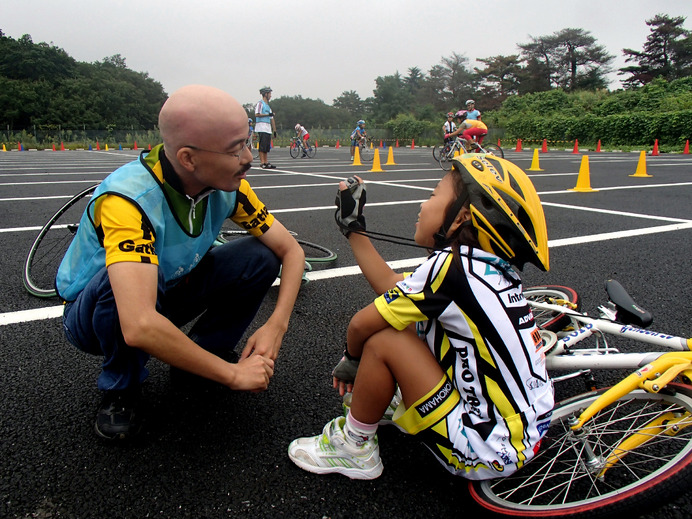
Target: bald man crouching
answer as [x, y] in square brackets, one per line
[142, 262]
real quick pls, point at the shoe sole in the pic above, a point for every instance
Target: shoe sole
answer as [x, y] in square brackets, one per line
[360, 474]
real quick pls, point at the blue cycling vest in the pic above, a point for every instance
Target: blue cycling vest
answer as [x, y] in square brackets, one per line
[177, 250]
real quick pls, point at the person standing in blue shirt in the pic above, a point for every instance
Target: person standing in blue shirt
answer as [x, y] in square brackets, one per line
[471, 112]
[265, 127]
[357, 135]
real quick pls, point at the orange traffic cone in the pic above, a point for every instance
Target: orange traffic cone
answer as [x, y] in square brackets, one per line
[381, 146]
[534, 162]
[376, 166]
[576, 146]
[413, 145]
[98, 147]
[356, 157]
[544, 148]
[498, 143]
[53, 147]
[397, 143]
[641, 166]
[135, 146]
[686, 151]
[655, 152]
[584, 178]
[150, 147]
[518, 148]
[337, 144]
[19, 146]
[390, 158]
[598, 146]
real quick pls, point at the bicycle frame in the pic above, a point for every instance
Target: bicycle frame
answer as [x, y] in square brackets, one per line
[561, 354]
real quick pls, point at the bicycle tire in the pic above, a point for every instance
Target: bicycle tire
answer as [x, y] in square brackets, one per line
[549, 320]
[366, 153]
[311, 151]
[49, 247]
[436, 153]
[294, 150]
[494, 149]
[445, 160]
[314, 253]
[559, 482]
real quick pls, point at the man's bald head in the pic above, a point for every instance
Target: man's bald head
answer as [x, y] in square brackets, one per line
[199, 115]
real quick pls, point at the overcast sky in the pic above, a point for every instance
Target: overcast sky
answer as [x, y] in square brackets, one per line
[315, 49]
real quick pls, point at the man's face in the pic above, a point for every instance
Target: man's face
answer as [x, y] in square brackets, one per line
[268, 96]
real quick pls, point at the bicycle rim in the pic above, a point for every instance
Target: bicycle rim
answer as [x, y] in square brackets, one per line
[49, 247]
[311, 151]
[366, 153]
[315, 253]
[494, 149]
[559, 482]
[294, 150]
[546, 319]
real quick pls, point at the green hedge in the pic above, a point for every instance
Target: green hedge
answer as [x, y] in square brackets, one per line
[624, 129]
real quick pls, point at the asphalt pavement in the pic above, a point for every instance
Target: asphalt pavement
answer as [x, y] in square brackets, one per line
[209, 452]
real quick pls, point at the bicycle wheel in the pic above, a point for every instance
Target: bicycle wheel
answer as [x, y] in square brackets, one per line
[252, 144]
[315, 253]
[549, 320]
[445, 158]
[295, 150]
[566, 480]
[310, 151]
[494, 149]
[366, 153]
[49, 247]
[436, 153]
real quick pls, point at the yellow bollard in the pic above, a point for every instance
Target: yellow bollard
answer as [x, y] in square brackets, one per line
[534, 162]
[376, 161]
[3, 148]
[390, 158]
[584, 178]
[356, 157]
[641, 166]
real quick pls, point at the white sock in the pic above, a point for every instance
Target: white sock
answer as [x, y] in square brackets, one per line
[357, 432]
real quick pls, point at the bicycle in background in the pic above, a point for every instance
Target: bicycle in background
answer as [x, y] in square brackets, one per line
[445, 154]
[300, 148]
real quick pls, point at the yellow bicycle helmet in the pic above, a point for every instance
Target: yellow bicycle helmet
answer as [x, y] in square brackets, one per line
[505, 210]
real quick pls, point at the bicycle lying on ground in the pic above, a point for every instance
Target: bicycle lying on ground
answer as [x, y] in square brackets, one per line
[55, 236]
[300, 148]
[445, 154]
[612, 450]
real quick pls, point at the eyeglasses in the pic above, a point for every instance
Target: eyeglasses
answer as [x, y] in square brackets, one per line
[236, 155]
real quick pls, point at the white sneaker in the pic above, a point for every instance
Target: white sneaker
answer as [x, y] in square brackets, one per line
[330, 452]
[387, 418]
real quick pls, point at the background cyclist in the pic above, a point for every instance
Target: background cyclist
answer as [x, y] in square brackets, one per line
[448, 127]
[302, 133]
[357, 136]
[471, 131]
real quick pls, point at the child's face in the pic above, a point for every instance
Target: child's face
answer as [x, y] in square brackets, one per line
[433, 210]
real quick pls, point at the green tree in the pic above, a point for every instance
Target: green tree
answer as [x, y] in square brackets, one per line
[499, 79]
[391, 97]
[667, 53]
[351, 102]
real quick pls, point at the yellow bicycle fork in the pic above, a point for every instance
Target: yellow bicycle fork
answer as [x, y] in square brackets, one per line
[652, 378]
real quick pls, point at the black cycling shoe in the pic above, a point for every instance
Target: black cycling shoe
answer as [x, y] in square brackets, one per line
[118, 416]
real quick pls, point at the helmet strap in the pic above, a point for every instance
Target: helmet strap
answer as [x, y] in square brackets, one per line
[440, 236]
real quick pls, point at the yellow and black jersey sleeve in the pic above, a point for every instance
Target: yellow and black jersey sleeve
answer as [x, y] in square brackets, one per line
[251, 214]
[124, 233]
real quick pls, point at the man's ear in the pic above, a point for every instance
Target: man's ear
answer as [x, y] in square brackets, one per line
[186, 158]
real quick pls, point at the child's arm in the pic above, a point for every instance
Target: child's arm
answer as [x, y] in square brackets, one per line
[380, 276]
